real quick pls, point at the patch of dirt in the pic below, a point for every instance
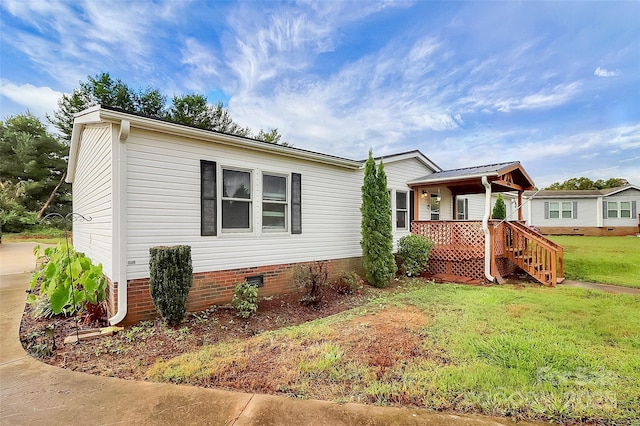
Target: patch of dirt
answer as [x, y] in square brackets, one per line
[129, 353]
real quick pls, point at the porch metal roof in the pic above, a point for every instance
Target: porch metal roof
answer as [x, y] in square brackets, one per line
[507, 176]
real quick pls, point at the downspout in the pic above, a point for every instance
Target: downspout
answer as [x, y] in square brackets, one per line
[120, 218]
[485, 228]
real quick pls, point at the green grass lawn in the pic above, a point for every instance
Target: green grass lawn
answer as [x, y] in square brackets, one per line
[563, 354]
[41, 234]
[609, 260]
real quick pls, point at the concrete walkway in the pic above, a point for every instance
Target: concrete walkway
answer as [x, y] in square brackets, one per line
[608, 288]
[34, 393]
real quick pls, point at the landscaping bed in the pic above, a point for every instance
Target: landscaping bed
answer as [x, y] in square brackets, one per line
[129, 353]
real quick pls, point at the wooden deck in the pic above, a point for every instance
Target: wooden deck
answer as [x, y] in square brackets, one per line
[459, 250]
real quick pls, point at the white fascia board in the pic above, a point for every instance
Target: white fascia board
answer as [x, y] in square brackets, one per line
[224, 139]
[563, 197]
[622, 189]
[408, 155]
[392, 158]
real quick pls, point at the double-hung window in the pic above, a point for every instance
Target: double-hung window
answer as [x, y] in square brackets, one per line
[236, 200]
[274, 203]
[401, 210]
[561, 210]
[625, 209]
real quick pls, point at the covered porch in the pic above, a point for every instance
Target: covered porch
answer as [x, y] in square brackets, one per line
[453, 208]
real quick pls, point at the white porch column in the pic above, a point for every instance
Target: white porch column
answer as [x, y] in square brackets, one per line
[485, 228]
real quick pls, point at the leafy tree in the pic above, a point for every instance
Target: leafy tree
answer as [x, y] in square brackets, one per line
[33, 158]
[583, 183]
[14, 217]
[104, 90]
[191, 109]
[499, 209]
[377, 237]
[272, 137]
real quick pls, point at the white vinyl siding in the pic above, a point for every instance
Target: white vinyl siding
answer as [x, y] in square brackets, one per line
[92, 197]
[163, 190]
[398, 174]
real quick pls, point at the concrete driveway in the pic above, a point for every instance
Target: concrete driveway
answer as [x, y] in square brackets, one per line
[34, 393]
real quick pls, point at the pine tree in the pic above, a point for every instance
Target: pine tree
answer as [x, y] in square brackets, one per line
[377, 237]
[499, 209]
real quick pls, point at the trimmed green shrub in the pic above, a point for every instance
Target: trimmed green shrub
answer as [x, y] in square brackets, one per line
[413, 254]
[245, 299]
[68, 280]
[377, 237]
[171, 277]
[499, 209]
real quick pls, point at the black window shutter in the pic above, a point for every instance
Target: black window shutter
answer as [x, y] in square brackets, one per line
[208, 202]
[575, 209]
[605, 210]
[546, 210]
[412, 206]
[296, 203]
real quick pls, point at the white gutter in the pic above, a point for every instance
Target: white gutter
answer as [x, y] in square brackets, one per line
[485, 228]
[119, 179]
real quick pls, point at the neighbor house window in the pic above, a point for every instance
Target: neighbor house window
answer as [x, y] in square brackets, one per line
[435, 207]
[564, 210]
[401, 210]
[625, 209]
[612, 209]
[236, 200]
[274, 202]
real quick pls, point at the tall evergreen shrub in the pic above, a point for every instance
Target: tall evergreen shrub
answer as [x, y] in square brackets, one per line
[171, 276]
[377, 237]
[499, 209]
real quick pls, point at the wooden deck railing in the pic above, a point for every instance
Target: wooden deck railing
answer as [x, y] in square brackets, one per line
[453, 240]
[537, 255]
[461, 241]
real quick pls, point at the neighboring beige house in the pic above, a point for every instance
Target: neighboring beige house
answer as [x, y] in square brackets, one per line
[248, 209]
[584, 212]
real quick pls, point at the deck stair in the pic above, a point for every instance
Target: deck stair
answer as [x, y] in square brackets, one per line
[535, 254]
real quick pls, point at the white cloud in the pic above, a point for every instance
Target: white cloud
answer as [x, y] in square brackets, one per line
[602, 72]
[38, 100]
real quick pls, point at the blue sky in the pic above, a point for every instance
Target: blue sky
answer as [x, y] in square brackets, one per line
[555, 85]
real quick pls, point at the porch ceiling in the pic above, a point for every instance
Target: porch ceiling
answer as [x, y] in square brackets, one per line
[503, 177]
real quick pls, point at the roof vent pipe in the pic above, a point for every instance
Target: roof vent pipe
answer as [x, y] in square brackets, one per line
[485, 228]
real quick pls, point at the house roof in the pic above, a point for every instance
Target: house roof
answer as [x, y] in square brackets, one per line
[578, 193]
[126, 120]
[417, 154]
[507, 176]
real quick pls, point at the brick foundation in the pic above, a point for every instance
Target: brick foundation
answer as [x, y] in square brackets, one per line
[216, 287]
[593, 231]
